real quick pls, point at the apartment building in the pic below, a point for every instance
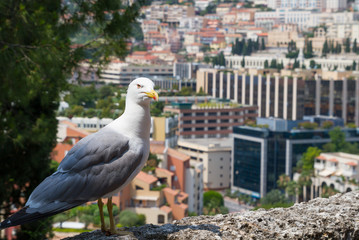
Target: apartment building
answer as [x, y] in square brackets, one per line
[336, 170]
[145, 195]
[287, 95]
[194, 188]
[150, 26]
[260, 155]
[215, 155]
[187, 176]
[171, 14]
[211, 119]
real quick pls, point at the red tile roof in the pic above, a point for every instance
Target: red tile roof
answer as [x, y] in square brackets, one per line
[147, 178]
[165, 171]
[352, 164]
[166, 209]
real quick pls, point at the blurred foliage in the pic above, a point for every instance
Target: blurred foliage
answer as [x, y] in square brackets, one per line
[338, 143]
[152, 163]
[128, 218]
[40, 47]
[213, 203]
[274, 199]
[88, 214]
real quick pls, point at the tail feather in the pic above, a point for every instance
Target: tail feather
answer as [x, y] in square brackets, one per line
[27, 214]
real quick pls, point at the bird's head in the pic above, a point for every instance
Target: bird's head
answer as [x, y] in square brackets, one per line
[141, 91]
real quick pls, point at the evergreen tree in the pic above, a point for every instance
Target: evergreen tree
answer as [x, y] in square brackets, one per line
[242, 45]
[256, 45]
[38, 55]
[273, 63]
[309, 50]
[249, 47]
[266, 65]
[354, 66]
[338, 48]
[312, 64]
[355, 47]
[243, 63]
[347, 45]
[325, 49]
[332, 50]
[263, 45]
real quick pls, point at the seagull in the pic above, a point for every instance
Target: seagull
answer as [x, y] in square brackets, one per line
[99, 165]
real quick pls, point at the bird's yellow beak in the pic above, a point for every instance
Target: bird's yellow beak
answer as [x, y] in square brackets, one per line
[153, 94]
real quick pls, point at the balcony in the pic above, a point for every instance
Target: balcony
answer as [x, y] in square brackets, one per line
[319, 166]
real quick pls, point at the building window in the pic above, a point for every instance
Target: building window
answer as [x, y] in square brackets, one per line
[221, 175]
[172, 168]
[160, 218]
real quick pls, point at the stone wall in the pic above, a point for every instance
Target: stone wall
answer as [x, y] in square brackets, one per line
[321, 218]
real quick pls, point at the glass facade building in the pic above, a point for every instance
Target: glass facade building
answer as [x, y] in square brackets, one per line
[261, 155]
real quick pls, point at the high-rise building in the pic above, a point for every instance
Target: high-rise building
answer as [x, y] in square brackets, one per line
[215, 155]
[288, 95]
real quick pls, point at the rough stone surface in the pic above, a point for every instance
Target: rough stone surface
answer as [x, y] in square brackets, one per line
[321, 218]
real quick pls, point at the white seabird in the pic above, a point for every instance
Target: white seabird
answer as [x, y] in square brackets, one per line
[99, 165]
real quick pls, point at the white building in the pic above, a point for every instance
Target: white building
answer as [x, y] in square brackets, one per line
[194, 187]
[336, 170]
[335, 5]
[215, 154]
[89, 124]
[343, 30]
[267, 19]
[202, 4]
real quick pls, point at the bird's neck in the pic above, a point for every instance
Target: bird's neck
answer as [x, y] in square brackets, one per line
[134, 122]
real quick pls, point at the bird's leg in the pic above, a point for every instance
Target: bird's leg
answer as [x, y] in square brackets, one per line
[110, 214]
[100, 207]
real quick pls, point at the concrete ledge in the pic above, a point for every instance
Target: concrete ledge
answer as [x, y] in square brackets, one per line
[321, 218]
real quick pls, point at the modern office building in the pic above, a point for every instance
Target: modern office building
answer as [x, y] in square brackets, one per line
[288, 95]
[215, 155]
[211, 119]
[261, 155]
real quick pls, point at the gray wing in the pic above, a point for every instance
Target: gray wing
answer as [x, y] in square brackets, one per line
[95, 166]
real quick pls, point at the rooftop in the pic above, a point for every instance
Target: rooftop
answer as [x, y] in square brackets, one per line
[208, 143]
[147, 178]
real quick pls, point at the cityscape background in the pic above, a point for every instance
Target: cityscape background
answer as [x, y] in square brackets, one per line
[258, 107]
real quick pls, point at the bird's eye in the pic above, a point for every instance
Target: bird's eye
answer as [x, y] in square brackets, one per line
[139, 86]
